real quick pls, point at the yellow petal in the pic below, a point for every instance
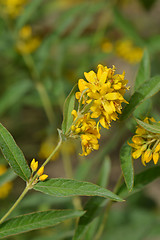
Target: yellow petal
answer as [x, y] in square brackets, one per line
[90, 76]
[82, 85]
[100, 71]
[155, 157]
[157, 149]
[113, 96]
[137, 154]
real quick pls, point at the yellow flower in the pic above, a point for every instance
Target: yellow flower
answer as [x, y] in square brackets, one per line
[88, 131]
[5, 188]
[43, 177]
[89, 143]
[13, 8]
[27, 43]
[34, 165]
[146, 144]
[40, 171]
[127, 50]
[106, 90]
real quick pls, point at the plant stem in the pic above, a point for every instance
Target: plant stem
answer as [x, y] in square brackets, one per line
[15, 204]
[100, 231]
[40, 88]
[30, 184]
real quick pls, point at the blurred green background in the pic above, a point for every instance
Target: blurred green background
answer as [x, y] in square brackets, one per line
[45, 48]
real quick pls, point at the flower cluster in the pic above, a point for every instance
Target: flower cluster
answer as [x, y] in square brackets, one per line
[106, 90]
[34, 167]
[5, 188]
[13, 8]
[87, 129]
[127, 50]
[146, 144]
[27, 43]
[102, 95]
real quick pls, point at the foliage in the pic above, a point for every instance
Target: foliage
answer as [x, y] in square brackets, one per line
[47, 49]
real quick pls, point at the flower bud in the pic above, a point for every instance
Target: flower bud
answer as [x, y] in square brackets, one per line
[148, 155]
[34, 165]
[40, 171]
[43, 177]
[137, 140]
[157, 149]
[155, 157]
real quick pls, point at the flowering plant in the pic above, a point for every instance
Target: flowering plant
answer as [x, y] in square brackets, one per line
[108, 115]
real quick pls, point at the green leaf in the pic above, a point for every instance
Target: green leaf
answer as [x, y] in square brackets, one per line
[37, 220]
[143, 109]
[68, 107]
[92, 208]
[94, 204]
[147, 90]
[19, 89]
[154, 128]
[30, 10]
[126, 26]
[153, 44]
[127, 165]
[140, 181]
[66, 187]
[7, 177]
[144, 71]
[13, 154]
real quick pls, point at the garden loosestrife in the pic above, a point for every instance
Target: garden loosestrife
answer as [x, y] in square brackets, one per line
[88, 131]
[106, 90]
[100, 97]
[146, 144]
[27, 43]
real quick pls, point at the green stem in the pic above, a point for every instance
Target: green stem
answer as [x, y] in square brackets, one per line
[16, 203]
[40, 88]
[102, 226]
[31, 183]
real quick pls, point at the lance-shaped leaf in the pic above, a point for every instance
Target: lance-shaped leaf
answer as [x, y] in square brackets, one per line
[127, 165]
[143, 71]
[68, 107]
[94, 205]
[7, 177]
[154, 128]
[140, 181]
[147, 90]
[13, 154]
[61, 187]
[37, 220]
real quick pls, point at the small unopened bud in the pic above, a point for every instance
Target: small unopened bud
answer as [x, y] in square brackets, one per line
[34, 165]
[157, 149]
[73, 128]
[40, 171]
[148, 155]
[43, 177]
[137, 140]
[155, 157]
